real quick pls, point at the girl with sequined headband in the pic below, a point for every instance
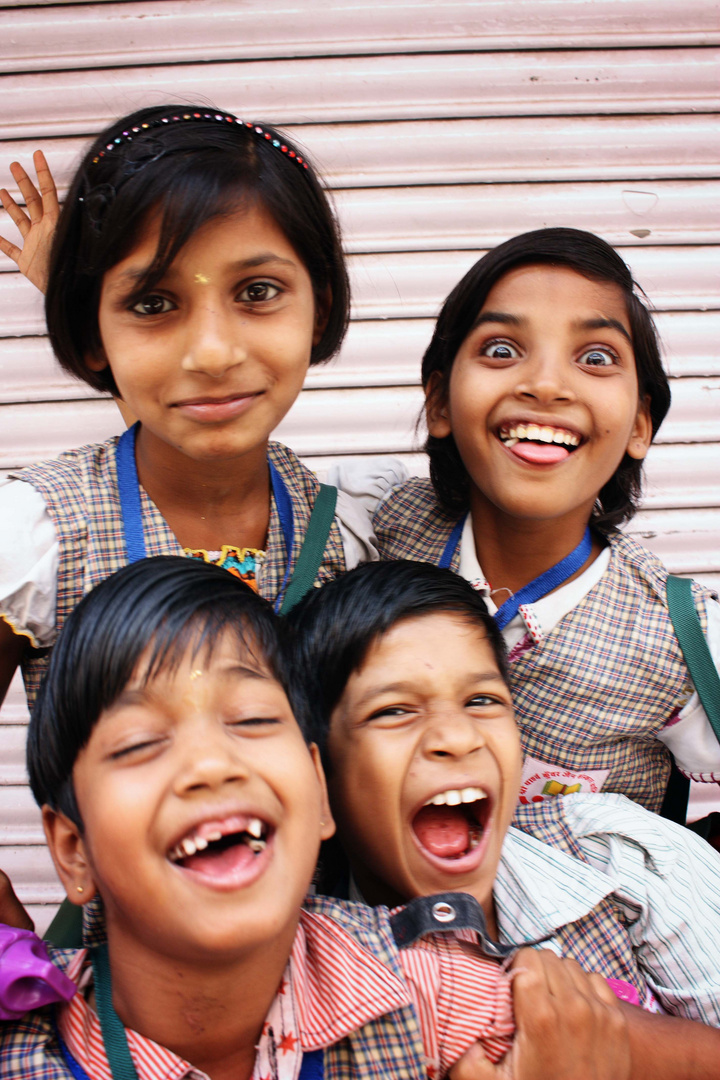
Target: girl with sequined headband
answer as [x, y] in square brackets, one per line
[544, 389]
[196, 271]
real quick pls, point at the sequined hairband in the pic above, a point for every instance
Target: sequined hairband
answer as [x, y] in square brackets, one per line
[256, 129]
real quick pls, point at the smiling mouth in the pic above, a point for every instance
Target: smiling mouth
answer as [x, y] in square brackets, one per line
[539, 444]
[219, 846]
[451, 824]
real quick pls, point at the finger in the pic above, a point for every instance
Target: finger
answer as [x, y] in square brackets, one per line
[16, 213]
[46, 183]
[29, 192]
[474, 1065]
[11, 250]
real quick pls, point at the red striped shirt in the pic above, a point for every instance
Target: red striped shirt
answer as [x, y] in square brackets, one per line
[331, 987]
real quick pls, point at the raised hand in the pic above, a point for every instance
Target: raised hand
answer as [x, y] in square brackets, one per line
[36, 222]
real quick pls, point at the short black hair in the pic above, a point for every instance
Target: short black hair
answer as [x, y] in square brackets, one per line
[596, 260]
[191, 170]
[160, 606]
[335, 626]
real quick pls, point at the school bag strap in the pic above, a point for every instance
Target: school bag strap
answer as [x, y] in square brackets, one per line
[311, 553]
[689, 633]
[706, 681]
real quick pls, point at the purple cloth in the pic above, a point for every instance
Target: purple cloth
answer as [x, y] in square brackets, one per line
[28, 977]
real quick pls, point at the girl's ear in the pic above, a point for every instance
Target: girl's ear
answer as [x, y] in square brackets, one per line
[327, 822]
[436, 411]
[96, 361]
[641, 435]
[67, 848]
[323, 307]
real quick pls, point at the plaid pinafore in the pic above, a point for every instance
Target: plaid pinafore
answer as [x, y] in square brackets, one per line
[81, 494]
[597, 690]
[599, 941]
[387, 1048]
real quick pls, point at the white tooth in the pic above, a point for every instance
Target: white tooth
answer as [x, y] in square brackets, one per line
[560, 436]
[471, 794]
[256, 845]
[532, 432]
[521, 431]
[545, 434]
[454, 798]
[254, 827]
[213, 836]
[200, 843]
[510, 442]
[438, 800]
[574, 440]
[188, 846]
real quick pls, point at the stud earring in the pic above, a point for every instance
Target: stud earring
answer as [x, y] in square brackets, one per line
[79, 888]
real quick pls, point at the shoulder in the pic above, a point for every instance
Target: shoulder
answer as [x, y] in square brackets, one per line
[71, 471]
[29, 1049]
[294, 473]
[415, 495]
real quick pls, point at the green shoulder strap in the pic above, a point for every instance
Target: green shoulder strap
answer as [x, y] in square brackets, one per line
[311, 553]
[694, 647]
[113, 1032]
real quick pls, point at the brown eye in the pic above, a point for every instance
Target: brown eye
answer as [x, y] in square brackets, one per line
[153, 305]
[598, 358]
[499, 350]
[259, 291]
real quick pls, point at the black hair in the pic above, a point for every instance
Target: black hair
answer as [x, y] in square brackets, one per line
[194, 165]
[335, 626]
[159, 607]
[595, 259]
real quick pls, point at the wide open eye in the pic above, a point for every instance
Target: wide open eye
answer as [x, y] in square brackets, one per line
[153, 305]
[259, 291]
[500, 350]
[598, 358]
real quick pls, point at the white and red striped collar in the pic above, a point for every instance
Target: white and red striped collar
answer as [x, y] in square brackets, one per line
[331, 987]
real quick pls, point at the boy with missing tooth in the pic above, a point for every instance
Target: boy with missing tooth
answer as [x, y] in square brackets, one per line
[405, 675]
[177, 789]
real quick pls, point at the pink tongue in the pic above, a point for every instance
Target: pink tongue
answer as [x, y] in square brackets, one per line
[443, 830]
[220, 862]
[540, 453]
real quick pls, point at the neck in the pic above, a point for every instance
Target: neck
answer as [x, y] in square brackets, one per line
[514, 551]
[211, 502]
[210, 1013]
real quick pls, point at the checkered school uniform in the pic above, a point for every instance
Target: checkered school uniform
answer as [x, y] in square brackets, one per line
[388, 1046]
[81, 494]
[597, 690]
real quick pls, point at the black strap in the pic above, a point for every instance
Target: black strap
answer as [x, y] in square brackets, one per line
[703, 673]
[313, 549]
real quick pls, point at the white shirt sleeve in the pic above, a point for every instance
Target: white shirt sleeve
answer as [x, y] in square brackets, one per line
[29, 554]
[668, 882]
[690, 738]
[369, 480]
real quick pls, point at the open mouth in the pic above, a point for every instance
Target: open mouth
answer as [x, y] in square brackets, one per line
[450, 825]
[539, 444]
[219, 848]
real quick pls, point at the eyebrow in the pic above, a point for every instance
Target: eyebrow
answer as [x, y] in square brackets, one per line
[135, 274]
[407, 686]
[601, 323]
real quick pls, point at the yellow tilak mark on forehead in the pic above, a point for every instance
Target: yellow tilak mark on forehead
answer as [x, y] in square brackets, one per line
[202, 279]
[195, 674]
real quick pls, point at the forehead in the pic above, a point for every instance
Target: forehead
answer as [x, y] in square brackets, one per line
[430, 646]
[558, 289]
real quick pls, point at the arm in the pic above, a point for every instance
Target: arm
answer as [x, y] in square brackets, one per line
[37, 225]
[12, 913]
[570, 1025]
[12, 647]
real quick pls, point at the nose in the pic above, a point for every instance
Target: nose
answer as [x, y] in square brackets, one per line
[545, 378]
[208, 758]
[452, 733]
[213, 339]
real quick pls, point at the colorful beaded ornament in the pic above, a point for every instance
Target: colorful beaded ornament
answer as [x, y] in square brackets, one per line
[256, 129]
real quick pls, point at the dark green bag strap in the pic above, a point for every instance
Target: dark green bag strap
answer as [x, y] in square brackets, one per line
[113, 1032]
[311, 553]
[695, 648]
[65, 931]
[703, 673]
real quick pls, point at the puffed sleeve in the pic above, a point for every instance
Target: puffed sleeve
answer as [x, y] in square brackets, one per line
[362, 484]
[28, 563]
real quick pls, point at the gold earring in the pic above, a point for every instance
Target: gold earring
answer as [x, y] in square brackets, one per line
[79, 888]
